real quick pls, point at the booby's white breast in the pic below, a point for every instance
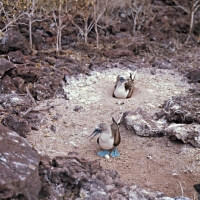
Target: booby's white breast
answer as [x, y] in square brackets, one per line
[106, 141]
[120, 92]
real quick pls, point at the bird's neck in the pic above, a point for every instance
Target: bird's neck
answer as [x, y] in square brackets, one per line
[120, 85]
[106, 134]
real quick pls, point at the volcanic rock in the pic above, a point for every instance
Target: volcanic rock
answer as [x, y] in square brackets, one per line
[19, 163]
[13, 40]
[140, 123]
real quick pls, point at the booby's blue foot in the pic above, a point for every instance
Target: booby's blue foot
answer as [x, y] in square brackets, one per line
[103, 153]
[115, 153]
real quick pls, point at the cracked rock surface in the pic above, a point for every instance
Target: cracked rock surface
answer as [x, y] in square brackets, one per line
[19, 163]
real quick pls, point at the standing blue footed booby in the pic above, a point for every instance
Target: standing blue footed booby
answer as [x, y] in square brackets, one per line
[124, 87]
[109, 138]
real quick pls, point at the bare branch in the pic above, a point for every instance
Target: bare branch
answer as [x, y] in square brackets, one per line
[196, 3]
[182, 7]
[30, 96]
[196, 8]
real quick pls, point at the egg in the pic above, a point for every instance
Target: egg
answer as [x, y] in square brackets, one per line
[107, 156]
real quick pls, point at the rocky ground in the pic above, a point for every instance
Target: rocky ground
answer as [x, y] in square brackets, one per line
[50, 103]
[143, 160]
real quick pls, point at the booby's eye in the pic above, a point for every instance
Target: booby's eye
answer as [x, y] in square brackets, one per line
[121, 79]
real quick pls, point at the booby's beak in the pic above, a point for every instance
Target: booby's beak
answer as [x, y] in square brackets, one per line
[95, 132]
[121, 79]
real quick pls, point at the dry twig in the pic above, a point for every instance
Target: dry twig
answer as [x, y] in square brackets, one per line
[181, 189]
[30, 96]
[37, 109]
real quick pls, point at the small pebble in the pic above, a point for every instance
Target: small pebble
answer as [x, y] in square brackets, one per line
[150, 157]
[78, 108]
[53, 128]
[120, 102]
[175, 174]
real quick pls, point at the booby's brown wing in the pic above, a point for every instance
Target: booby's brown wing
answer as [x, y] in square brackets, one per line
[115, 132]
[117, 80]
[129, 85]
[117, 138]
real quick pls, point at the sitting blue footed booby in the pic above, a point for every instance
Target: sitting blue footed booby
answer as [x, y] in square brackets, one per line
[109, 138]
[124, 87]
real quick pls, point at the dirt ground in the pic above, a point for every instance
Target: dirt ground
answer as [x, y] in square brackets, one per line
[156, 163]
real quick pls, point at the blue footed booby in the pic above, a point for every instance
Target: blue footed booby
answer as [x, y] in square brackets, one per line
[109, 138]
[124, 87]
